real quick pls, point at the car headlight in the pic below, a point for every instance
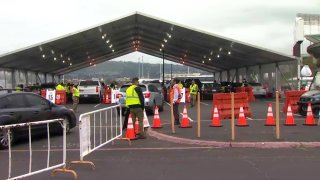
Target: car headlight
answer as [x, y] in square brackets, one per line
[315, 99]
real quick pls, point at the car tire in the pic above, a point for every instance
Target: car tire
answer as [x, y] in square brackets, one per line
[4, 140]
[67, 119]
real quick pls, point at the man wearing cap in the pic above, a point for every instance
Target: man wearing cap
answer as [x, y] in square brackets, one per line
[135, 101]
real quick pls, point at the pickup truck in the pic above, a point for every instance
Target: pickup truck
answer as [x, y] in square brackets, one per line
[90, 89]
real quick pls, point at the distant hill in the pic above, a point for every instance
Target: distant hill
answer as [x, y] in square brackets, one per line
[113, 69]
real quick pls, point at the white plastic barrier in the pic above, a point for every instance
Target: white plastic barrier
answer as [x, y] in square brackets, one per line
[49, 165]
[51, 95]
[114, 98]
[183, 92]
[96, 129]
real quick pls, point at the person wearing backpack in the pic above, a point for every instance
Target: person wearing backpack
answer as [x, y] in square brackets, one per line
[176, 101]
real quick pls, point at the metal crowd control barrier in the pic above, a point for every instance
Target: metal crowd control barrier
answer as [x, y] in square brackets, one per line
[48, 164]
[96, 129]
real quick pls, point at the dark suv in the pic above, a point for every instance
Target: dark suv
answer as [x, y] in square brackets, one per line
[22, 107]
[312, 96]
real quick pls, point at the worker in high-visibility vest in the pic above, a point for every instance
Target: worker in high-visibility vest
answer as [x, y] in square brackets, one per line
[135, 101]
[180, 85]
[60, 87]
[19, 88]
[75, 97]
[193, 93]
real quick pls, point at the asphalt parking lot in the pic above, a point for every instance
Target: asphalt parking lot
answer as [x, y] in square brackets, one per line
[164, 155]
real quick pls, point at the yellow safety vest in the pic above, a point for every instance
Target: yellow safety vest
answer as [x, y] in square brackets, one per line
[132, 96]
[18, 88]
[59, 87]
[194, 89]
[67, 89]
[76, 92]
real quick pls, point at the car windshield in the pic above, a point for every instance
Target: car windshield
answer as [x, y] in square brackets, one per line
[207, 85]
[89, 83]
[125, 87]
[158, 85]
[255, 84]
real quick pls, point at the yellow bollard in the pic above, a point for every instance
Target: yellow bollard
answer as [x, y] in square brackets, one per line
[232, 118]
[277, 116]
[198, 115]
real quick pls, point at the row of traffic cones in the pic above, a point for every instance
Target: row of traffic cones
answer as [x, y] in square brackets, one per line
[184, 122]
[216, 120]
[290, 119]
[130, 134]
[269, 120]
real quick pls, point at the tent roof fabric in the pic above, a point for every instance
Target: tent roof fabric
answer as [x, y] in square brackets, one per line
[143, 33]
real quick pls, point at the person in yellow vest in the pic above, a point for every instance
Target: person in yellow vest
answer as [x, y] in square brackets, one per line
[180, 85]
[135, 101]
[19, 88]
[193, 93]
[59, 87]
[75, 97]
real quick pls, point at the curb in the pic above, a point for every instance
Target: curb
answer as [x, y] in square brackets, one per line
[260, 145]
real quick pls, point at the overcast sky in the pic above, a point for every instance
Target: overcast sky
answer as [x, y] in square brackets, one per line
[265, 23]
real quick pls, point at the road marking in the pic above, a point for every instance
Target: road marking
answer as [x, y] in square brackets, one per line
[188, 117]
[205, 103]
[168, 103]
[97, 105]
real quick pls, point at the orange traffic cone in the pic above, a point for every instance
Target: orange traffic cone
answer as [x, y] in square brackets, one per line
[289, 119]
[156, 119]
[242, 119]
[185, 119]
[310, 119]
[270, 120]
[136, 126]
[145, 120]
[130, 131]
[215, 118]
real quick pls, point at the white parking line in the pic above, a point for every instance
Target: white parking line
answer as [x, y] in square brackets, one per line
[188, 118]
[205, 103]
[97, 105]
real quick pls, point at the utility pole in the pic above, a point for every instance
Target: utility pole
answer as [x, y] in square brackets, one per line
[139, 67]
[162, 68]
[142, 69]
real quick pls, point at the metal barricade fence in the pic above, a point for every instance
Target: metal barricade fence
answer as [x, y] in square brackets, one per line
[48, 166]
[98, 128]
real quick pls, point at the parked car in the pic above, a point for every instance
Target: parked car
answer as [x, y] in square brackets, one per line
[153, 97]
[258, 89]
[91, 89]
[24, 107]
[208, 88]
[312, 96]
